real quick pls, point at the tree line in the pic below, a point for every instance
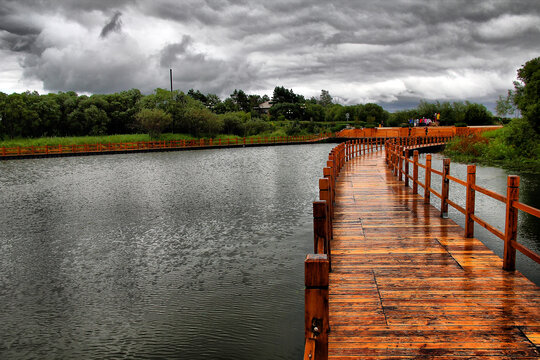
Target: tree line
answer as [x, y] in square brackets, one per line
[517, 145]
[31, 115]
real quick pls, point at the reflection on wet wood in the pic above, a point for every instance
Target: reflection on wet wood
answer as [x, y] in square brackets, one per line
[407, 284]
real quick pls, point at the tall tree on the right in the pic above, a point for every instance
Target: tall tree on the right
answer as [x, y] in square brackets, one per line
[527, 92]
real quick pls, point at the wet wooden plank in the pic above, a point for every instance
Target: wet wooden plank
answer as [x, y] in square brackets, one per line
[407, 284]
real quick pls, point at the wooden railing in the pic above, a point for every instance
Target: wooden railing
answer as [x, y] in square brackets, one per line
[395, 132]
[21, 151]
[318, 265]
[397, 158]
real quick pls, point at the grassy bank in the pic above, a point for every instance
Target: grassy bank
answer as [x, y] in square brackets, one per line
[271, 129]
[514, 147]
[81, 140]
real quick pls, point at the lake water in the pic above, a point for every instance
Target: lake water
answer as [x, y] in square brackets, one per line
[188, 255]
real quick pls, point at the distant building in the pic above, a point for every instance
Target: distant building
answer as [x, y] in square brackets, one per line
[264, 108]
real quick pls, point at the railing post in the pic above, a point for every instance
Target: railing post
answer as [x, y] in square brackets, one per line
[320, 227]
[415, 172]
[327, 173]
[427, 193]
[396, 160]
[406, 167]
[510, 229]
[316, 326]
[324, 195]
[445, 188]
[469, 206]
[400, 162]
[330, 164]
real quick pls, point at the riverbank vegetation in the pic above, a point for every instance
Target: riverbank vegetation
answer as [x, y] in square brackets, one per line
[517, 145]
[65, 115]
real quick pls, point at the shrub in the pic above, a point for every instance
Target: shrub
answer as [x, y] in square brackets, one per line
[153, 121]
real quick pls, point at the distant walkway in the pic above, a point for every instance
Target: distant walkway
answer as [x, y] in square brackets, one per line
[406, 284]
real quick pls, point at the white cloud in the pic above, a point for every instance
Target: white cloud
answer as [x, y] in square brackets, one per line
[510, 26]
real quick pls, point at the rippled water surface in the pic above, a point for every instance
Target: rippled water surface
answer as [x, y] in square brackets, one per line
[189, 255]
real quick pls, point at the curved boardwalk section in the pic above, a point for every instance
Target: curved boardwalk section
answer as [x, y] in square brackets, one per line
[406, 283]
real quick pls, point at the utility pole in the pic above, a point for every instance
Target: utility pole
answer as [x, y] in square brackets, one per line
[173, 127]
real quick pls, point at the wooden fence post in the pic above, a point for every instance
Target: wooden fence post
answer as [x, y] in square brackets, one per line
[320, 227]
[427, 179]
[400, 162]
[396, 159]
[332, 177]
[445, 188]
[324, 194]
[327, 173]
[469, 206]
[510, 229]
[316, 326]
[406, 167]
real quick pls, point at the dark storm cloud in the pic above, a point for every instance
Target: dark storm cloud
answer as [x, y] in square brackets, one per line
[170, 54]
[115, 24]
[370, 50]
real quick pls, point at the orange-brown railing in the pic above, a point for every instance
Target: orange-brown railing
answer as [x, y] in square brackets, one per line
[21, 151]
[397, 158]
[318, 264]
[396, 132]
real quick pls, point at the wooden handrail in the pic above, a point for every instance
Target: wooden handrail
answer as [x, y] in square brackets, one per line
[394, 154]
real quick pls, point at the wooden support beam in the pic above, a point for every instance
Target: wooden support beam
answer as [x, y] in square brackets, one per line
[316, 325]
[406, 167]
[427, 193]
[320, 227]
[445, 188]
[510, 233]
[469, 206]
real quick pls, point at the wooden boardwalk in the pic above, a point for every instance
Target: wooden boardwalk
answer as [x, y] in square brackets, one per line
[405, 283]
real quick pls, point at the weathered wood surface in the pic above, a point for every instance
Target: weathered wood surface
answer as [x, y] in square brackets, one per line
[407, 284]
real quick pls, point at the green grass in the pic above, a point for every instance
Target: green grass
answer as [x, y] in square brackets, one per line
[497, 148]
[81, 140]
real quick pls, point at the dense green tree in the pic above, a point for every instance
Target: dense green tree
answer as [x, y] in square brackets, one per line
[197, 95]
[325, 99]
[241, 100]
[154, 121]
[527, 92]
[375, 114]
[121, 111]
[314, 112]
[286, 111]
[227, 105]
[234, 122]
[477, 114]
[282, 95]
[505, 105]
[212, 100]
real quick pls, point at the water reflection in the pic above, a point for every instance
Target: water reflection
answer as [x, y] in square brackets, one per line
[189, 255]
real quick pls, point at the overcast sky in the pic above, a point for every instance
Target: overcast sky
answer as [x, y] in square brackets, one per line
[393, 52]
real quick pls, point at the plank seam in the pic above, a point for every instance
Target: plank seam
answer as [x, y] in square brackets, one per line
[526, 337]
[380, 297]
[449, 253]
